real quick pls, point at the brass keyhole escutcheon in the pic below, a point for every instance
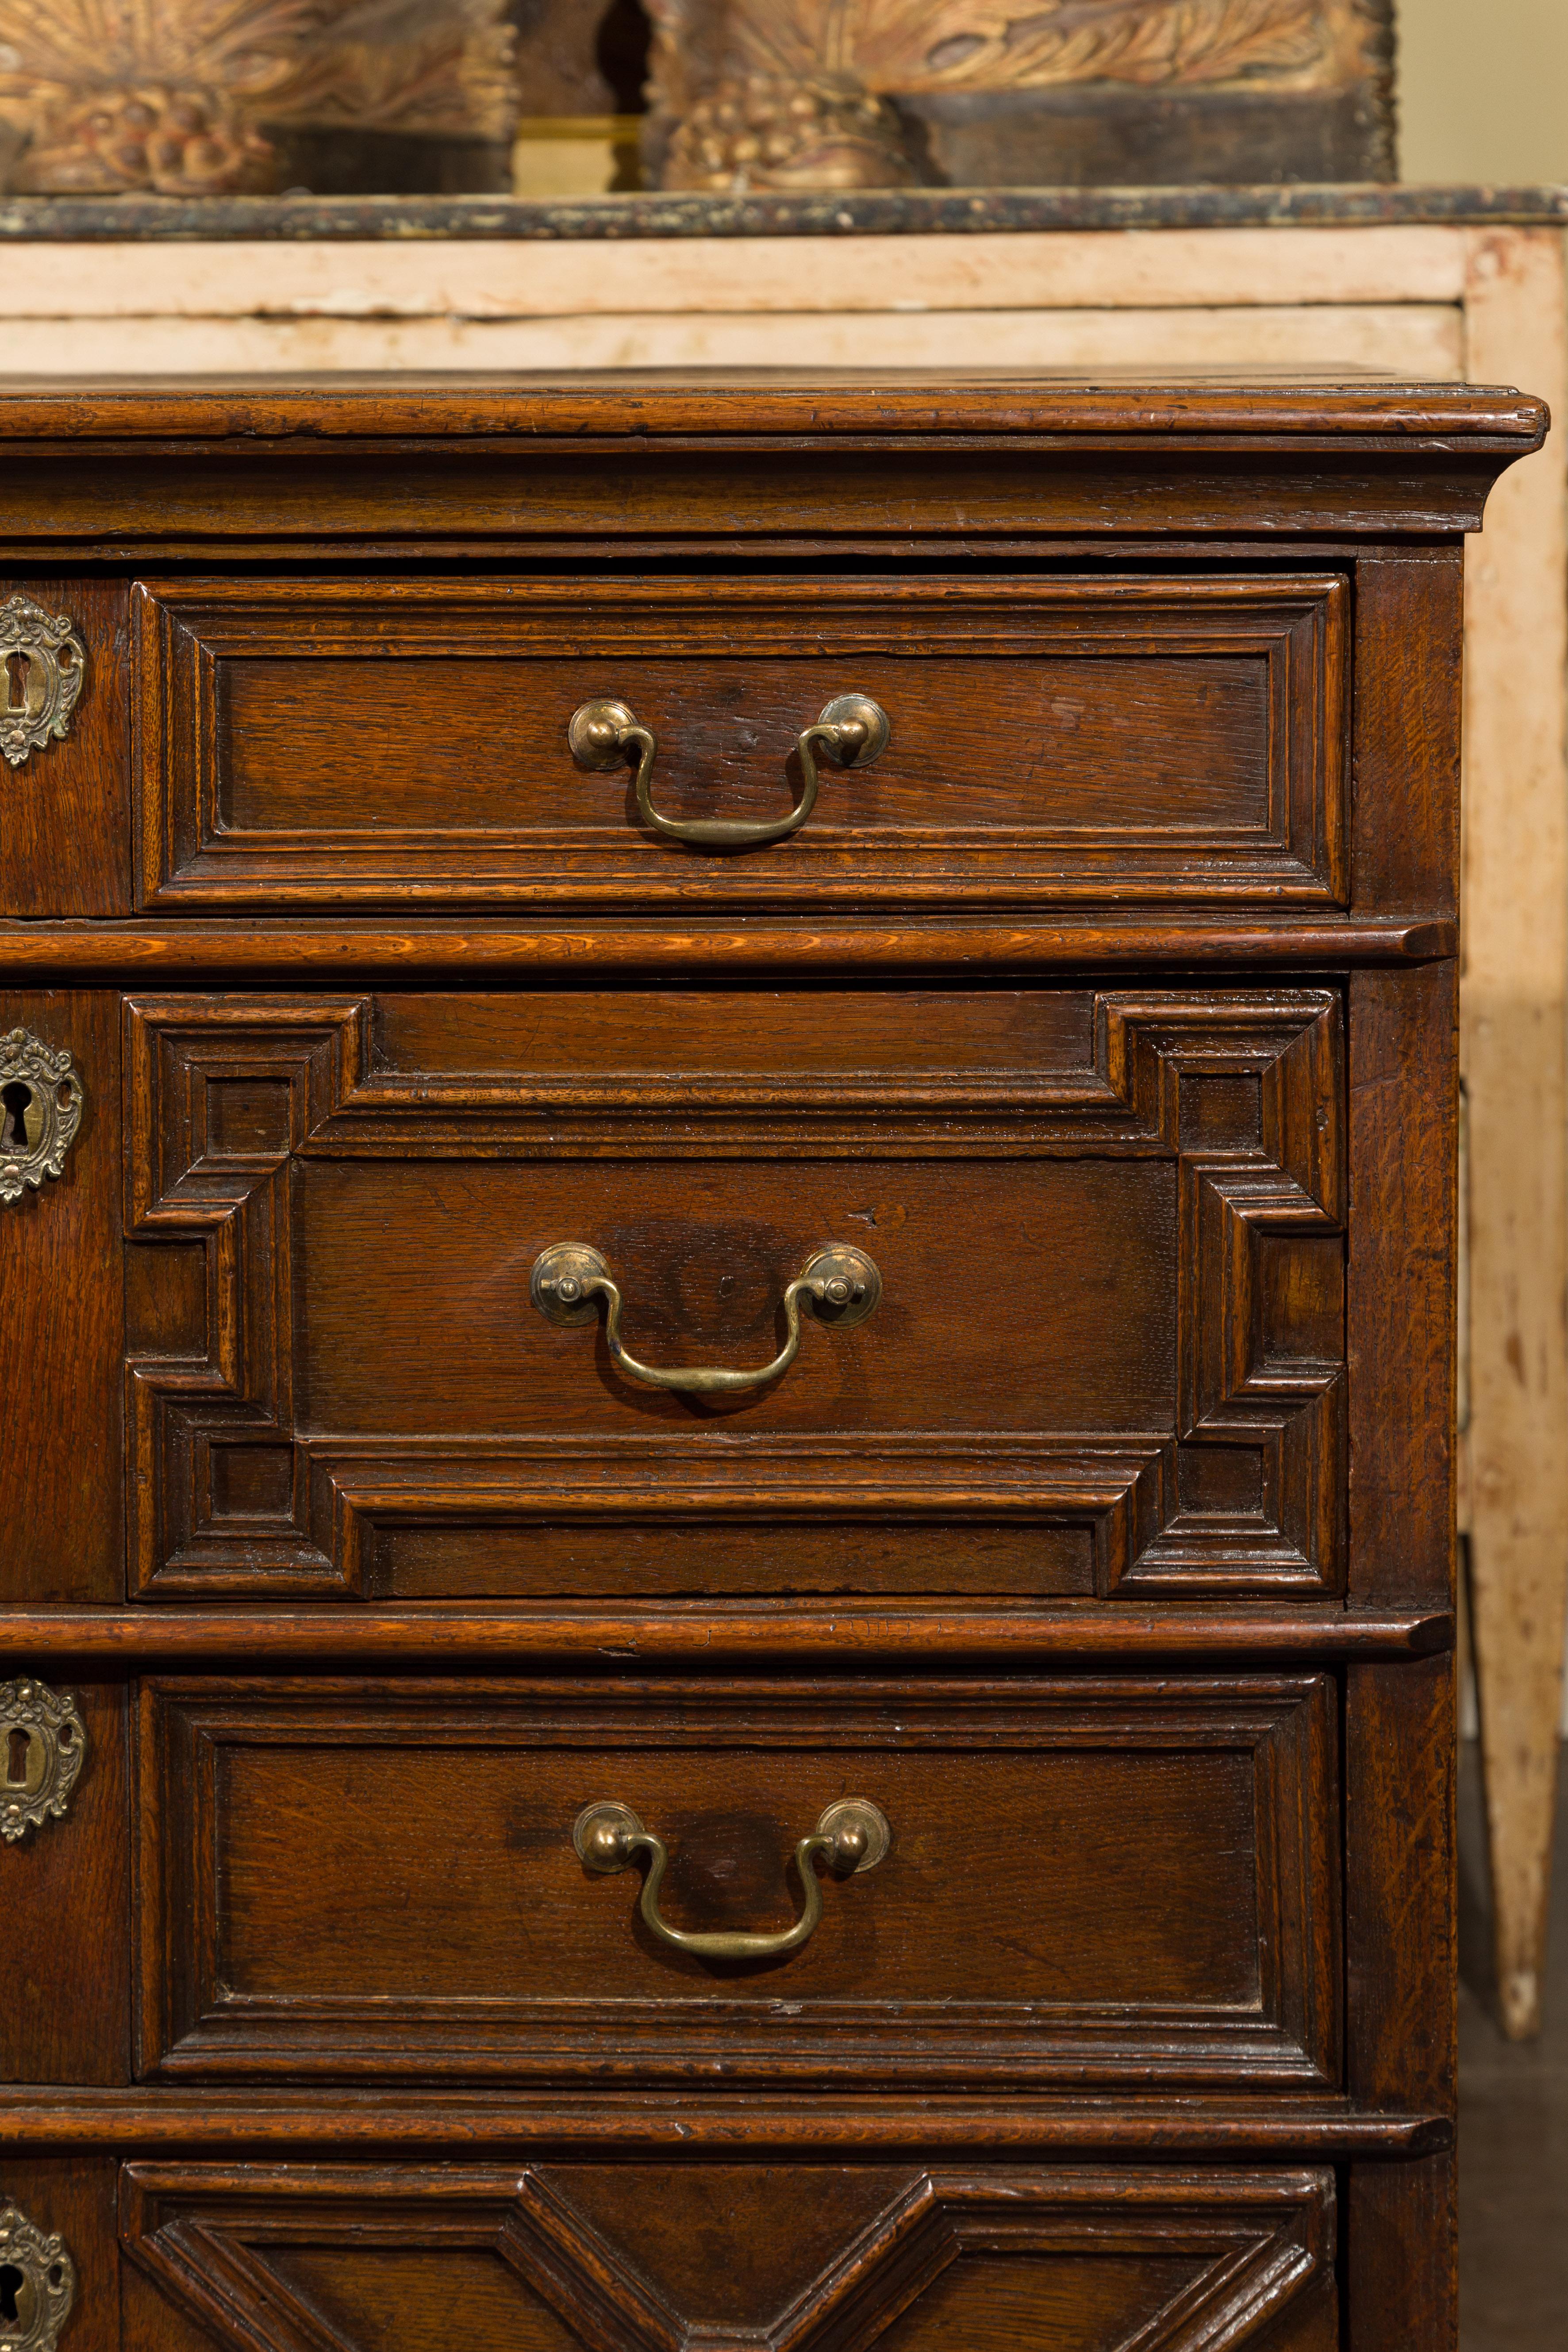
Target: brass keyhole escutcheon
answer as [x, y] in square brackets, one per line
[37, 2285]
[41, 1105]
[43, 668]
[43, 1747]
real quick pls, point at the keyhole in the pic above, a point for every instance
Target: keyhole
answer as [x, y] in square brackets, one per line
[16, 1100]
[15, 682]
[11, 2280]
[19, 1751]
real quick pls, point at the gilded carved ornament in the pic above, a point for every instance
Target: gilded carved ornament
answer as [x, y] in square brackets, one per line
[104, 96]
[774, 93]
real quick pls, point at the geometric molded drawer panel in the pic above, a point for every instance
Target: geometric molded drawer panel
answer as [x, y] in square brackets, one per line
[1087, 1881]
[1108, 1355]
[322, 743]
[648, 2258]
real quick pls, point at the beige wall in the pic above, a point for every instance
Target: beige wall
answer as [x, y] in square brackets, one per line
[1483, 91]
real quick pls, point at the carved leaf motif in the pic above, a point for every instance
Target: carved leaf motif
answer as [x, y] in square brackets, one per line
[402, 63]
[239, 46]
[921, 46]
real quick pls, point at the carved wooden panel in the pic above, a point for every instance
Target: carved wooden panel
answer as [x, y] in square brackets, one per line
[300, 2257]
[1110, 1353]
[1088, 1881]
[322, 743]
[877, 93]
[180, 96]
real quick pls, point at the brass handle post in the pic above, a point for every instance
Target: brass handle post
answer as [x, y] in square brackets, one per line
[852, 729]
[852, 1835]
[839, 1283]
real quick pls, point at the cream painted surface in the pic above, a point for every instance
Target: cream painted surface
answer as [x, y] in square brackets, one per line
[1483, 92]
[1103, 269]
[1416, 339]
[1513, 1024]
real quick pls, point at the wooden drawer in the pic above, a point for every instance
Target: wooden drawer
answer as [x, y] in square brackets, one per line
[1108, 1354]
[1107, 1557]
[544, 2257]
[1088, 1881]
[306, 742]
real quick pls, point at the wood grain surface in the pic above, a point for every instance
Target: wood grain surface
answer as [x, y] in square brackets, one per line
[73, 2198]
[108, 470]
[611, 2127]
[1089, 1882]
[1146, 1387]
[334, 742]
[1112, 1012]
[524, 2256]
[770, 1630]
[63, 1319]
[767, 405]
[421, 948]
[65, 813]
[67, 2016]
[1402, 1302]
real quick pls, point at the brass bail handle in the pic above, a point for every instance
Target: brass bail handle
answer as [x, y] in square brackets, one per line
[852, 729]
[851, 1836]
[839, 1283]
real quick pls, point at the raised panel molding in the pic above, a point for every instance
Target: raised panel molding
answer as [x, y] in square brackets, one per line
[287, 1820]
[284, 2258]
[1239, 1389]
[1278, 831]
[1243, 1090]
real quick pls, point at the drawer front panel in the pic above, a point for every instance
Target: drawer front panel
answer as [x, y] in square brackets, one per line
[306, 742]
[548, 2257]
[1094, 1880]
[1108, 1350]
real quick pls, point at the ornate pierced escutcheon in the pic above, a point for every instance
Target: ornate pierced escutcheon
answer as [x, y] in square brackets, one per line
[43, 666]
[43, 1747]
[41, 1103]
[37, 2285]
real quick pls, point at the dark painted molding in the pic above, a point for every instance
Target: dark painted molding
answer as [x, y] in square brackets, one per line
[909, 211]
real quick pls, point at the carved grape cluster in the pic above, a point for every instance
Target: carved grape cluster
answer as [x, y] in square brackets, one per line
[177, 142]
[762, 133]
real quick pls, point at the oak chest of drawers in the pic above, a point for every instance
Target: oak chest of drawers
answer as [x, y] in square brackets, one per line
[728, 1246]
